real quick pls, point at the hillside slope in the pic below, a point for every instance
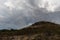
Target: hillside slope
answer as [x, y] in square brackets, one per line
[38, 31]
[40, 27]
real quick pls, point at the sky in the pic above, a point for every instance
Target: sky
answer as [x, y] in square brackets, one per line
[17, 14]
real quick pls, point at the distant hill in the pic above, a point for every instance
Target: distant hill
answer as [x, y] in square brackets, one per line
[38, 31]
[37, 27]
[42, 26]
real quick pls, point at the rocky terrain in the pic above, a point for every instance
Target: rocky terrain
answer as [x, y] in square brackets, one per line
[37, 31]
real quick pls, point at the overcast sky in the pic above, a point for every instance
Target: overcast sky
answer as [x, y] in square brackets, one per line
[20, 13]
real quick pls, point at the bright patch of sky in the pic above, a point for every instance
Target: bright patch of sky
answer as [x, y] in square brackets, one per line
[50, 5]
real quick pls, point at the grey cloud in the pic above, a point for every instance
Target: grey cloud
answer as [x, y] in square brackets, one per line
[31, 13]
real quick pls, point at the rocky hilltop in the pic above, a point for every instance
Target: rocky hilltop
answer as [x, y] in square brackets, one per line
[38, 31]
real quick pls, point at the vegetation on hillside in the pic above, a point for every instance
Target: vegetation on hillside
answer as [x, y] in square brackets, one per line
[39, 27]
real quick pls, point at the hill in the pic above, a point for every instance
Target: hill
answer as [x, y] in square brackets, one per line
[42, 26]
[37, 31]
